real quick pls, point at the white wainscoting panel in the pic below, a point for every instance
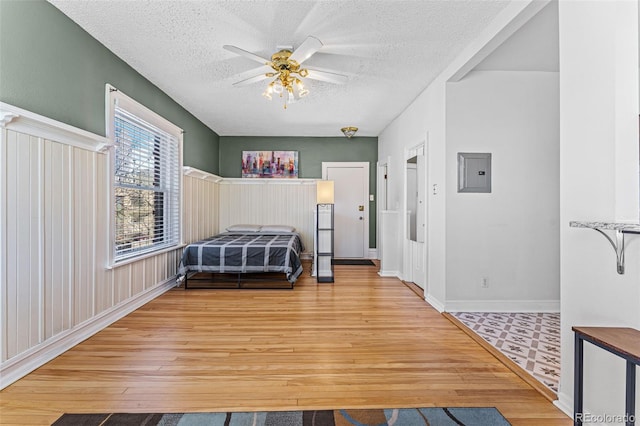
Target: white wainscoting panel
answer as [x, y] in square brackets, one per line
[84, 231]
[22, 268]
[388, 250]
[57, 247]
[270, 203]
[200, 199]
[55, 283]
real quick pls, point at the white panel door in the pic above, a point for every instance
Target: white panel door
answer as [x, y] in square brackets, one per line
[351, 208]
[421, 190]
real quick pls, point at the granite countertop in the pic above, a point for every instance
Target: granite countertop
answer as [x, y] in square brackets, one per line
[614, 226]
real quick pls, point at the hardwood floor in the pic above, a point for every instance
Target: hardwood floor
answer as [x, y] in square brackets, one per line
[363, 341]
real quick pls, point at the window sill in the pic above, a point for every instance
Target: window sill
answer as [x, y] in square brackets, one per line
[128, 261]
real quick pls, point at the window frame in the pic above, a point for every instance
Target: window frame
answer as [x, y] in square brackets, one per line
[115, 97]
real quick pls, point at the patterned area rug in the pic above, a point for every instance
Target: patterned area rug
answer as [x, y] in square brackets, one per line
[531, 340]
[378, 417]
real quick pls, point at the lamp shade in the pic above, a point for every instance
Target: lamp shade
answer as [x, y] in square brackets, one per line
[324, 192]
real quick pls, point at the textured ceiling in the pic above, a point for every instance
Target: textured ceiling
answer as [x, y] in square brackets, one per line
[390, 50]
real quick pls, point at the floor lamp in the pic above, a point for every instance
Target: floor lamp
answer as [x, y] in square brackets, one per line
[324, 231]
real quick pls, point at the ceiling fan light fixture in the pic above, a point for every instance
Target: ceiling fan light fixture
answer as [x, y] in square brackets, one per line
[349, 131]
[268, 91]
[284, 68]
[302, 91]
[277, 86]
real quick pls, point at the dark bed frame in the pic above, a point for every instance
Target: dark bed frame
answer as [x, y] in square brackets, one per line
[241, 278]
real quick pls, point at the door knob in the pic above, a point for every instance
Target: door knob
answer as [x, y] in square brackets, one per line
[360, 208]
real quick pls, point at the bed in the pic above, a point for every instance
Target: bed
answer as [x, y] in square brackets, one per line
[245, 252]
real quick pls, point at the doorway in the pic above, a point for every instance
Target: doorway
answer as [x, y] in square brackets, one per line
[351, 209]
[415, 249]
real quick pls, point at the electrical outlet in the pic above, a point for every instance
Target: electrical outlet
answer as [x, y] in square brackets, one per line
[484, 283]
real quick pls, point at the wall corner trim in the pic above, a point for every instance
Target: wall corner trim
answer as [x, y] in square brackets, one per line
[565, 404]
[200, 174]
[30, 123]
[6, 117]
[435, 303]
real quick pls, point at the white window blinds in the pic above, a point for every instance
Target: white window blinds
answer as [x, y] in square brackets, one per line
[146, 186]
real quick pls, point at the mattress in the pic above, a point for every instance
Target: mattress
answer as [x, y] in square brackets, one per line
[252, 252]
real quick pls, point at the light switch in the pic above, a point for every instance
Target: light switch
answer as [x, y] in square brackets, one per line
[371, 198]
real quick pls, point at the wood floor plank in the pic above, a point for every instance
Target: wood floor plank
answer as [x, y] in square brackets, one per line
[362, 342]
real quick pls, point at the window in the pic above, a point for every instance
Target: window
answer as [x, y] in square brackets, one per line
[147, 165]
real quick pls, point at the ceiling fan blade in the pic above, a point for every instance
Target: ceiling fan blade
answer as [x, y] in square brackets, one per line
[246, 54]
[308, 47]
[250, 80]
[255, 71]
[327, 76]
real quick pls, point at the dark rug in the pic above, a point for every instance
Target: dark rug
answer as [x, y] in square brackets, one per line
[367, 262]
[377, 417]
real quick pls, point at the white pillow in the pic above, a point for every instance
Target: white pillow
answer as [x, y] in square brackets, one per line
[277, 228]
[243, 228]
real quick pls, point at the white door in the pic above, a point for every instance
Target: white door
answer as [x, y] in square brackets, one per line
[415, 249]
[351, 209]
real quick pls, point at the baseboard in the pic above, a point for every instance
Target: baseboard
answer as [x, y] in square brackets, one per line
[564, 403]
[23, 364]
[373, 253]
[550, 306]
[394, 274]
[437, 304]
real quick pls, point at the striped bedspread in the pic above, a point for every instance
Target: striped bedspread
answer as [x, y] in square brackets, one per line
[251, 252]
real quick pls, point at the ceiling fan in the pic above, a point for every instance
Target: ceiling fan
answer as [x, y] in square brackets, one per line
[285, 69]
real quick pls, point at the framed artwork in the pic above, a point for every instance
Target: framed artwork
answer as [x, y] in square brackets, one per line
[270, 164]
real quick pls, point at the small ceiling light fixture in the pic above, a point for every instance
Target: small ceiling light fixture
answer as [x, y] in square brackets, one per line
[349, 131]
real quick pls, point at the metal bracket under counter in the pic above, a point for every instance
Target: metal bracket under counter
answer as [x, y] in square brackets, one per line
[620, 230]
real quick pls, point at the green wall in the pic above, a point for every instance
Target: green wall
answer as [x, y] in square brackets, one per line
[312, 151]
[51, 66]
